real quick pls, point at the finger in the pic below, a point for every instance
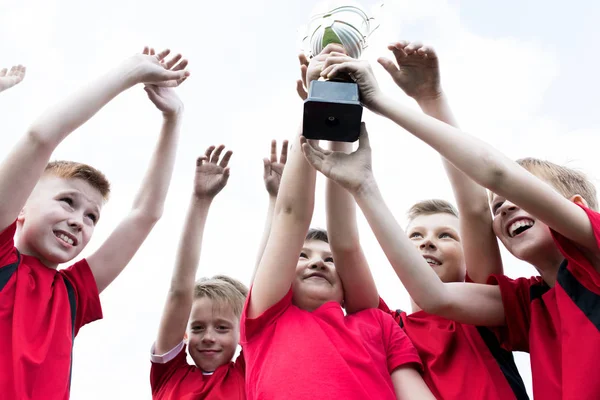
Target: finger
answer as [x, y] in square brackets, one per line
[174, 78]
[428, 51]
[225, 160]
[3, 71]
[215, 156]
[302, 59]
[388, 65]
[303, 71]
[284, 152]
[146, 50]
[401, 44]
[208, 152]
[400, 55]
[363, 138]
[182, 65]
[152, 51]
[267, 168]
[412, 47]
[340, 69]
[151, 92]
[172, 61]
[226, 174]
[331, 60]
[273, 151]
[161, 56]
[312, 156]
[201, 160]
[333, 47]
[300, 89]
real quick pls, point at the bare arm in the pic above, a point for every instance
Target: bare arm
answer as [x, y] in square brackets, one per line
[477, 159]
[418, 75]
[409, 384]
[291, 220]
[36, 146]
[273, 170]
[467, 303]
[211, 176]
[351, 264]
[12, 77]
[122, 244]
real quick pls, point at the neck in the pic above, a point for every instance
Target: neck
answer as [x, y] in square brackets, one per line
[547, 265]
[27, 251]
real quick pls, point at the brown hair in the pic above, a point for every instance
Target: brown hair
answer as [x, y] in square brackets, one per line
[428, 207]
[224, 290]
[75, 170]
[317, 234]
[566, 181]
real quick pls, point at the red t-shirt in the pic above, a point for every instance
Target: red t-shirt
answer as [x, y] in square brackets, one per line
[558, 326]
[295, 354]
[35, 322]
[177, 380]
[460, 361]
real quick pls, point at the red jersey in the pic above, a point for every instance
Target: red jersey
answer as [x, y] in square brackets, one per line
[295, 354]
[41, 310]
[175, 379]
[460, 361]
[558, 326]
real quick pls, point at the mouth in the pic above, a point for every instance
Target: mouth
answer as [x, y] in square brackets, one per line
[209, 352]
[66, 237]
[317, 275]
[518, 226]
[432, 261]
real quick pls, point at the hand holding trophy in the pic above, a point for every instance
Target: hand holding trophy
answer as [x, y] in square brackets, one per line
[332, 110]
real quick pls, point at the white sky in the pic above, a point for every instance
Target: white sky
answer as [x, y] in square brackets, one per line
[517, 74]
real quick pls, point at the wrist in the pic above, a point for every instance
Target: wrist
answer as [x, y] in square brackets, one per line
[366, 189]
[173, 115]
[432, 100]
[202, 200]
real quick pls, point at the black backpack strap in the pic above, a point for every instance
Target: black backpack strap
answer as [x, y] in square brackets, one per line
[7, 271]
[73, 307]
[400, 322]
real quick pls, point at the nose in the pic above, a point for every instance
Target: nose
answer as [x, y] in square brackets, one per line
[507, 207]
[75, 223]
[208, 337]
[427, 244]
[318, 264]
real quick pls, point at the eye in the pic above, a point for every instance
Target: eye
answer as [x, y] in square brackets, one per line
[415, 235]
[222, 328]
[496, 207]
[329, 259]
[303, 255]
[445, 235]
[93, 217]
[67, 200]
[197, 328]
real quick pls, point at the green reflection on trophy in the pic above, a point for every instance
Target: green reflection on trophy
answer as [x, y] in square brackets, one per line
[332, 110]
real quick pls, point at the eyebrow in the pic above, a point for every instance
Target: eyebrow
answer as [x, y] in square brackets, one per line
[77, 193]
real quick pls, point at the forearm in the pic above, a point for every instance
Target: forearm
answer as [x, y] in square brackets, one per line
[351, 264]
[418, 278]
[150, 200]
[266, 232]
[482, 255]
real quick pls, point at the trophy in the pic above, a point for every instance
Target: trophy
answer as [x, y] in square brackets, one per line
[332, 110]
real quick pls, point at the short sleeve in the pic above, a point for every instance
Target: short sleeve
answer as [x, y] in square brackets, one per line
[400, 350]
[251, 327]
[396, 315]
[160, 373]
[8, 252]
[516, 300]
[88, 299]
[240, 363]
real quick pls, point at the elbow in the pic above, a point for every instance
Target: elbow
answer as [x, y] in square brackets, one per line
[495, 174]
[147, 216]
[38, 139]
[436, 305]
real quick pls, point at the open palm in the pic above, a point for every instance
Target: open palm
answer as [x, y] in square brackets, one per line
[211, 174]
[274, 169]
[10, 78]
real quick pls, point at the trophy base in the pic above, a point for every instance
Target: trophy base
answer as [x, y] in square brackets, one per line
[332, 111]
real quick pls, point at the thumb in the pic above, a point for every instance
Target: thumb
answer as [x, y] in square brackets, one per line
[312, 155]
[388, 65]
[169, 75]
[363, 139]
[151, 92]
[267, 167]
[300, 89]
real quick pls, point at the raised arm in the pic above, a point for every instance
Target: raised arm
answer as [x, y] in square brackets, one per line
[418, 75]
[477, 159]
[211, 176]
[351, 264]
[409, 385]
[36, 146]
[122, 244]
[468, 303]
[12, 77]
[273, 170]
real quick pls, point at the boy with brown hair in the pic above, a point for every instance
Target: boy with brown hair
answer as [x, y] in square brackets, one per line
[555, 316]
[52, 209]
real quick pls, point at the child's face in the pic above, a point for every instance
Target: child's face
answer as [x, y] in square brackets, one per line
[58, 219]
[437, 238]
[523, 236]
[317, 281]
[214, 334]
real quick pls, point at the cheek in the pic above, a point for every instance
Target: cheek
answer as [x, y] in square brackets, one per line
[496, 228]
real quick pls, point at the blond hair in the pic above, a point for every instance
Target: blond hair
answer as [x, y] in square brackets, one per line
[224, 290]
[75, 170]
[566, 181]
[429, 207]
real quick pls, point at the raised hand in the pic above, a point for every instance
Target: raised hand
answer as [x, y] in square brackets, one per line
[301, 84]
[165, 99]
[417, 72]
[352, 171]
[317, 64]
[11, 78]
[274, 168]
[154, 68]
[339, 64]
[211, 174]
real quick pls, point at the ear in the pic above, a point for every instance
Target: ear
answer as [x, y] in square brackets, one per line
[578, 199]
[185, 338]
[21, 217]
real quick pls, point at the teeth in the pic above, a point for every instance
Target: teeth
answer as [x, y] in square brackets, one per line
[431, 261]
[65, 238]
[518, 224]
